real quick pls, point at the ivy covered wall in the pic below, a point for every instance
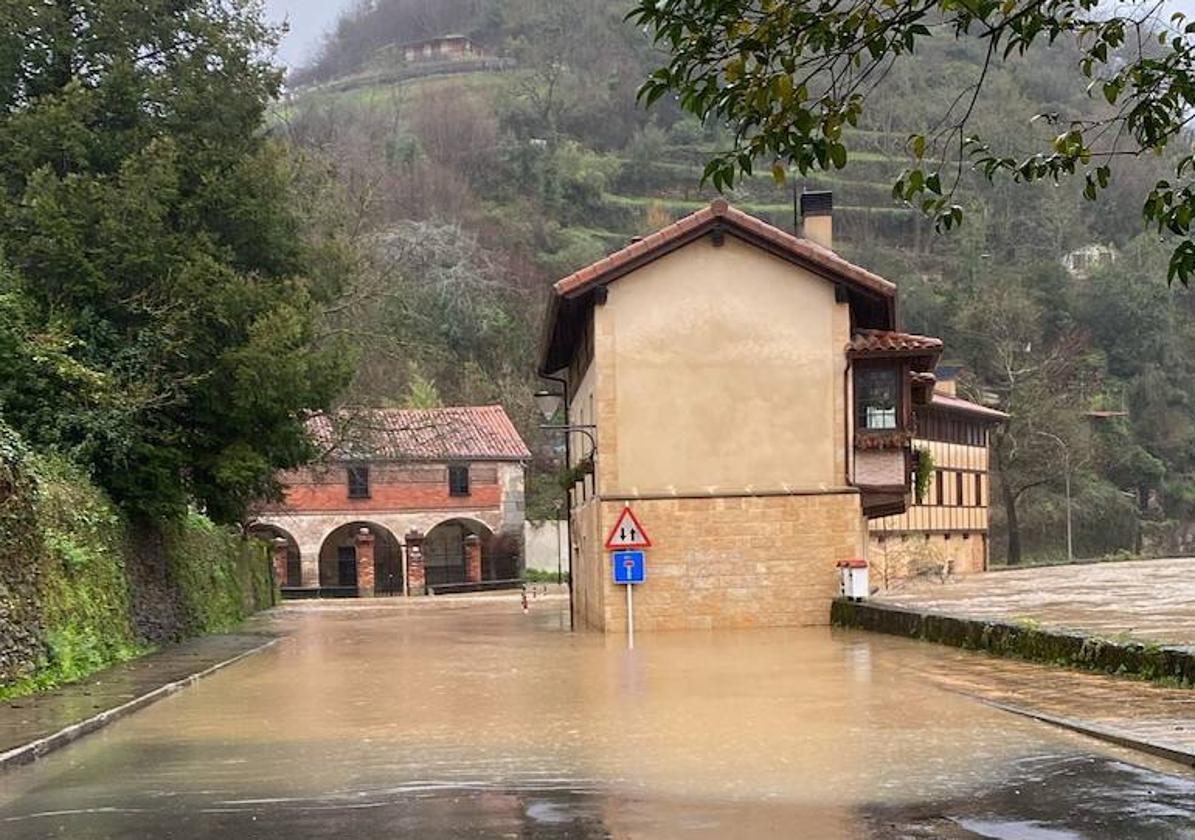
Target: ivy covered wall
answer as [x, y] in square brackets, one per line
[82, 588]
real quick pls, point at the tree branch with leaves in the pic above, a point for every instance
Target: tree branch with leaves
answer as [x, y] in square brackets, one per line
[791, 78]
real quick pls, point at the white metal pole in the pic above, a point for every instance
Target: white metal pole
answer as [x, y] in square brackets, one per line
[630, 618]
[1070, 545]
[559, 552]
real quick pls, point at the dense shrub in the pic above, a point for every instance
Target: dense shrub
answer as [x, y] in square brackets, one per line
[74, 596]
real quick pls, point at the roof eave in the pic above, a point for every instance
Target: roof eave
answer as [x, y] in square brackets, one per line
[428, 459]
[725, 219]
[992, 415]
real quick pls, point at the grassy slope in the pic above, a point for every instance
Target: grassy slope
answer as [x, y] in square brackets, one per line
[668, 181]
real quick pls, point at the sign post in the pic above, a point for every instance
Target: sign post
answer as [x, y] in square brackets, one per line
[630, 570]
[626, 542]
[630, 617]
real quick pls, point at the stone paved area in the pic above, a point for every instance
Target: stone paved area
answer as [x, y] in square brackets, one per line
[1136, 711]
[1150, 600]
[28, 720]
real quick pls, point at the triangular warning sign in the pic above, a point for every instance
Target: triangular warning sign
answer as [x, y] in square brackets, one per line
[627, 532]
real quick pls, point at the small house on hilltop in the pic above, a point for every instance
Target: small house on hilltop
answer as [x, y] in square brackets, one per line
[1082, 262]
[404, 500]
[442, 48]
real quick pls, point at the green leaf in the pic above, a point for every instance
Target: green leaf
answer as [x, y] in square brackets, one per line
[917, 142]
[838, 155]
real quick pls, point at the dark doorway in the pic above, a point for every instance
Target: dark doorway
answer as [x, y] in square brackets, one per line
[338, 560]
[294, 561]
[346, 563]
[387, 569]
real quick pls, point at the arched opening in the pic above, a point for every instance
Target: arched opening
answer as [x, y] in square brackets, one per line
[444, 553]
[338, 561]
[294, 560]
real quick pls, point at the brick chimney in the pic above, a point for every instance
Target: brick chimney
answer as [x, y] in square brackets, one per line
[817, 217]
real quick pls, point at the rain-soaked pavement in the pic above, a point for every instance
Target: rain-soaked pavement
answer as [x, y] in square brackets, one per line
[1148, 600]
[473, 720]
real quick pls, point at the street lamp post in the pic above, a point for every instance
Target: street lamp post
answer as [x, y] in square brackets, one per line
[1066, 462]
[559, 545]
[550, 403]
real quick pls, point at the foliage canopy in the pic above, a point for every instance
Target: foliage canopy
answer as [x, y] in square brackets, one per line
[792, 78]
[155, 296]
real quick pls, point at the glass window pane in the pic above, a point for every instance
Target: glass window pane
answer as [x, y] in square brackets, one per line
[876, 398]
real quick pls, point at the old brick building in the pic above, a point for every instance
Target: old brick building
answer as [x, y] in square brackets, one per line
[403, 501]
[751, 398]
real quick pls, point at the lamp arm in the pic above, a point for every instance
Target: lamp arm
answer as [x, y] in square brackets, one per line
[585, 429]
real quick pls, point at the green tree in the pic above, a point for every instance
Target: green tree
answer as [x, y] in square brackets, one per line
[158, 291]
[421, 392]
[1041, 381]
[792, 78]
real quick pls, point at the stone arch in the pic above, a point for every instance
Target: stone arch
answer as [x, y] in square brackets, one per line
[294, 557]
[338, 559]
[444, 552]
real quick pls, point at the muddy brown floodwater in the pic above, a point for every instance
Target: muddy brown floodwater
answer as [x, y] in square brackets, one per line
[458, 720]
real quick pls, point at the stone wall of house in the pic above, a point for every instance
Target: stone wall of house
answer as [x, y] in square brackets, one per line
[763, 561]
[894, 557]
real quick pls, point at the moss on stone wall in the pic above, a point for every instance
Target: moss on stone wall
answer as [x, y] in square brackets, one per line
[81, 589]
[1024, 640]
[221, 577]
[84, 594]
[20, 544]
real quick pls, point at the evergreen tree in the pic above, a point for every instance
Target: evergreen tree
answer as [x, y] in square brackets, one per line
[156, 307]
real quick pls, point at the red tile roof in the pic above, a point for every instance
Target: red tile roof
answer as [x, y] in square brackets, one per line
[952, 403]
[472, 433]
[804, 251]
[889, 341]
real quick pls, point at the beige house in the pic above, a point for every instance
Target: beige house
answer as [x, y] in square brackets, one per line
[750, 399]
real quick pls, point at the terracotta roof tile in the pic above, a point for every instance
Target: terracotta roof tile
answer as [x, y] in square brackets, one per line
[952, 403]
[463, 432]
[889, 341]
[802, 250]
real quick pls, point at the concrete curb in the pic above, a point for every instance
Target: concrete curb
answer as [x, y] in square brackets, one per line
[1173, 665]
[1111, 736]
[36, 749]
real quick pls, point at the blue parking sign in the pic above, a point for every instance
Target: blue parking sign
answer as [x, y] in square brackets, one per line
[629, 566]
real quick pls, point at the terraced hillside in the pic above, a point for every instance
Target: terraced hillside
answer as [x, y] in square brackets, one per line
[471, 186]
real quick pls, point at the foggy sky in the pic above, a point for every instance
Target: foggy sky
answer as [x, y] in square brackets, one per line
[309, 20]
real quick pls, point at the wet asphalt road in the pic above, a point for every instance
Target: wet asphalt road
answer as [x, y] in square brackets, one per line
[456, 720]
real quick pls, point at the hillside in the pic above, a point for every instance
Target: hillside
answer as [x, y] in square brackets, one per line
[477, 182]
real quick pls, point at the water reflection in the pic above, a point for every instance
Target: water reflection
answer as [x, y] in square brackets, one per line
[479, 721]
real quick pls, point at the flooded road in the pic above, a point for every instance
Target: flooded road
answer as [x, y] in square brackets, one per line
[474, 720]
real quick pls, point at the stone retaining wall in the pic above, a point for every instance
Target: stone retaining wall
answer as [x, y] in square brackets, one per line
[82, 588]
[1171, 665]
